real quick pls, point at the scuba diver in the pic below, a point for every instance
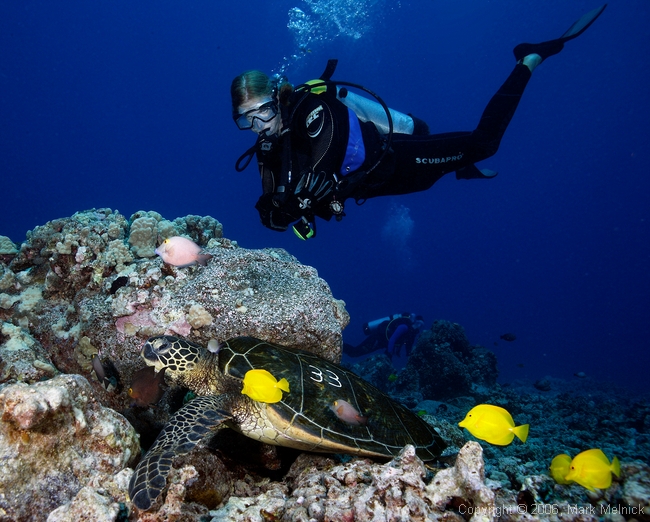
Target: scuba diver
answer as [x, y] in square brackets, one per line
[320, 144]
[393, 334]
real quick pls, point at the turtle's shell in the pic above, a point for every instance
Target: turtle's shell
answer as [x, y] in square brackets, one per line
[305, 419]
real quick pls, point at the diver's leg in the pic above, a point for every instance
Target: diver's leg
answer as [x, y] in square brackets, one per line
[502, 106]
[368, 345]
[499, 112]
[418, 161]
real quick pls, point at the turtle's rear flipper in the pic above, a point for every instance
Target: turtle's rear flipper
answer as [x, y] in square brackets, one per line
[184, 430]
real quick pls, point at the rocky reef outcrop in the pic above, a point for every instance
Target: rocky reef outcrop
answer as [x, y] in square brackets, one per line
[442, 365]
[92, 284]
[317, 488]
[55, 438]
[91, 287]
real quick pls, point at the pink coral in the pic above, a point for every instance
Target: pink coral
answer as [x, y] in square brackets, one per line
[140, 318]
[180, 327]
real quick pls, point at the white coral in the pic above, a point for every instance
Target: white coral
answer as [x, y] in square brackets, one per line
[198, 316]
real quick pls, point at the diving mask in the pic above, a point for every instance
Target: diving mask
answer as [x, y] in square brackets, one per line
[264, 112]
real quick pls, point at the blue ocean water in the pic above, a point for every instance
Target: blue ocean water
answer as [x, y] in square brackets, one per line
[126, 105]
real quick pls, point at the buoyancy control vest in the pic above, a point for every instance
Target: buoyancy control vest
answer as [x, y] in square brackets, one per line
[386, 120]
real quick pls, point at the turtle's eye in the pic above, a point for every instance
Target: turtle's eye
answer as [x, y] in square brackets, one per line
[161, 344]
[148, 352]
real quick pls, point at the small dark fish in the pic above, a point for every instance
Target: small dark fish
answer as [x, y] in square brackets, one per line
[580, 375]
[146, 387]
[99, 369]
[119, 283]
[107, 374]
[508, 337]
[520, 365]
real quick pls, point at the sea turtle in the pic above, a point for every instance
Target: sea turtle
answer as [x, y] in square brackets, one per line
[305, 418]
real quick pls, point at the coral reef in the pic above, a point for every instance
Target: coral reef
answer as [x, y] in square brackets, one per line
[7, 246]
[442, 351]
[317, 488]
[458, 367]
[91, 284]
[93, 505]
[54, 438]
[23, 358]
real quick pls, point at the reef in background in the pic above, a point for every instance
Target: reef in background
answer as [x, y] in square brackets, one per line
[91, 284]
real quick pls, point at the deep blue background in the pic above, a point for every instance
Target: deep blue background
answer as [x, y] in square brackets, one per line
[126, 105]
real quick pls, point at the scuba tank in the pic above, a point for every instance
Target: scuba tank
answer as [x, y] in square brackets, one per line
[370, 110]
[371, 326]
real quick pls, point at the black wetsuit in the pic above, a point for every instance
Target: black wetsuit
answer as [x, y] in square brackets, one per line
[304, 178]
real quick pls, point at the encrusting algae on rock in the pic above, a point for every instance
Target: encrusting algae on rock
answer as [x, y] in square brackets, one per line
[56, 436]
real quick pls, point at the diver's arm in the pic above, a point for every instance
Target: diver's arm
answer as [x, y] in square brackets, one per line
[277, 210]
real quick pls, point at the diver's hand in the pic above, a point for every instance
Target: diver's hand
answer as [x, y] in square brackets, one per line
[312, 188]
[276, 211]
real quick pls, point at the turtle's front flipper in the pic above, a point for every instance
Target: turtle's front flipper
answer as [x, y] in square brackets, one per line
[183, 431]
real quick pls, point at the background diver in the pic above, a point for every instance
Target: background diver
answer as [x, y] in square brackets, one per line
[393, 334]
[319, 145]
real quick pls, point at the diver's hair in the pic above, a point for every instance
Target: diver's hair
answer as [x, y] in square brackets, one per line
[256, 84]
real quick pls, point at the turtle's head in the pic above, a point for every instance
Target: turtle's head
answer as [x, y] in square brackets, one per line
[177, 356]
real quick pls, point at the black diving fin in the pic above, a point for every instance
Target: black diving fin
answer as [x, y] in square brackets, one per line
[581, 25]
[473, 172]
[546, 49]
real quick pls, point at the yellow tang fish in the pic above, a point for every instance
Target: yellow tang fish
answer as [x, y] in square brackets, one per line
[560, 468]
[592, 469]
[261, 386]
[493, 424]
